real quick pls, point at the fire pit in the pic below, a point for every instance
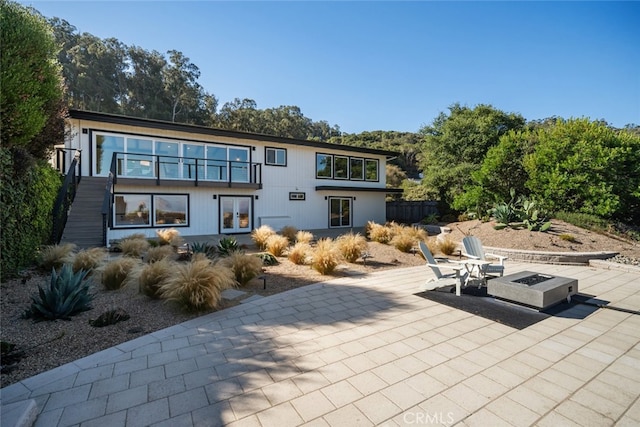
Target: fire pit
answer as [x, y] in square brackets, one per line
[533, 289]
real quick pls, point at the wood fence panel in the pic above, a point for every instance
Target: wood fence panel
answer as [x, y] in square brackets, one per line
[408, 212]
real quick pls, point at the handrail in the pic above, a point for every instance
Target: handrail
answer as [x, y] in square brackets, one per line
[66, 195]
[162, 167]
[107, 205]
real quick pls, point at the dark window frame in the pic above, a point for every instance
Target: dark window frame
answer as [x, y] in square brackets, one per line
[152, 211]
[276, 149]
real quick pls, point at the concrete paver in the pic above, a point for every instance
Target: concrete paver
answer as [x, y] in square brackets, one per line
[361, 350]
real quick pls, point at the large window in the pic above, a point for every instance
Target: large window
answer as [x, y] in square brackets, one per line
[344, 167]
[275, 156]
[151, 210]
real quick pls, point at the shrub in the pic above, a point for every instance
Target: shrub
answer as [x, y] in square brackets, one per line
[260, 236]
[276, 245]
[227, 245]
[54, 256]
[151, 277]
[395, 229]
[299, 253]
[568, 237]
[169, 236]
[203, 248]
[245, 267]
[403, 242]
[447, 246]
[304, 237]
[67, 295]
[379, 233]
[114, 274]
[289, 231]
[134, 248]
[134, 236]
[157, 253]
[197, 285]
[325, 257]
[417, 233]
[88, 259]
[351, 246]
[583, 220]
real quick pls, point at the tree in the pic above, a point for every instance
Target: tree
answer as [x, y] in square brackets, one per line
[455, 145]
[30, 75]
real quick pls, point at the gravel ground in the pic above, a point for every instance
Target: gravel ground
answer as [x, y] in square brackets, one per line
[46, 345]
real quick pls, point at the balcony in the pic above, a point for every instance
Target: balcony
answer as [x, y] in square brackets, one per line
[130, 168]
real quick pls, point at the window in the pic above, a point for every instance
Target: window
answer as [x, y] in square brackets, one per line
[357, 169]
[324, 166]
[275, 156]
[339, 212]
[297, 196]
[134, 210]
[342, 167]
[371, 169]
[106, 145]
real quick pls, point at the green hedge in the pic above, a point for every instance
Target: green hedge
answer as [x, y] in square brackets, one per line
[27, 192]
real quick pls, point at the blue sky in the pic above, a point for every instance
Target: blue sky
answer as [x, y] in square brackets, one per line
[392, 65]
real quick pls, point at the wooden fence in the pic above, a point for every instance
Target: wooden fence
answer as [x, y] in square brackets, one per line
[408, 212]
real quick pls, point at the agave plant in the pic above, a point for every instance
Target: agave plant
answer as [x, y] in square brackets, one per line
[227, 245]
[67, 295]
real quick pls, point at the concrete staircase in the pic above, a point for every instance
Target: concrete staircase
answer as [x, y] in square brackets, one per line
[84, 224]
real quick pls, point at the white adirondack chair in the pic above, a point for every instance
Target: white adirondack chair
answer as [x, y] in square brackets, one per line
[473, 249]
[457, 277]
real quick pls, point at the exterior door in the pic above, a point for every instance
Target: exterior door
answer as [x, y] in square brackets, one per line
[235, 214]
[339, 212]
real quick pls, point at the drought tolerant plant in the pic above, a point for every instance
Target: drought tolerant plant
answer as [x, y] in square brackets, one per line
[134, 248]
[351, 246]
[260, 236]
[169, 236]
[115, 273]
[276, 245]
[325, 257]
[267, 258]
[379, 233]
[447, 246]
[299, 253]
[289, 231]
[67, 295]
[88, 259]
[155, 254]
[245, 267]
[54, 256]
[404, 241]
[227, 245]
[197, 285]
[568, 237]
[151, 277]
[203, 248]
[304, 237]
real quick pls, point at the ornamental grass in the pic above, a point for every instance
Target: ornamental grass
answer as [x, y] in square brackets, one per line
[54, 256]
[379, 233]
[116, 272]
[447, 246]
[299, 253]
[260, 236]
[304, 237]
[325, 257]
[134, 248]
[151, 277]
[289, 231]
[169, 236]
[88, 259]
[276, 245]
[158, 253]
[351, 246]
[245, 267]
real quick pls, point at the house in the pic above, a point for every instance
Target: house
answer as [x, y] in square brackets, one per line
[204, 181]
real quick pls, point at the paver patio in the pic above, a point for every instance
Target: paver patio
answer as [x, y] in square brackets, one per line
[364, 351]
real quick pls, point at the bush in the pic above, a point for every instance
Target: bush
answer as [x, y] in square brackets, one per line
[197, 285]
[304, 237]
[299, 253]
[276, 245]
[115, 273]
[583, 220]
[67, 295]
[88, 259]
[169, 236]
[325, 257]
[433, 245]
[267, 258]
[134, 248]
[245, 267]
[260, 236]
[403, 242]
[151, 277]
[379, 233]
[54, 256]
[157, 253]
[351, 246]
[447, 246]
[568, 237]
[289, 231]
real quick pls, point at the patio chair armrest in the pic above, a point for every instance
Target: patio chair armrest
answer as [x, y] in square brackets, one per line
[451, 267]
[501, 258]
[470, 256]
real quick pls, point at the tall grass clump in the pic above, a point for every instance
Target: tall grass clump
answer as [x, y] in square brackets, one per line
[403, 241]
[289, 231]
[379, 233]
[158, 253]
[115, 273]
[260, 236]
[134, 248]
[351, 246]
[245, 267]
[169, 236]
[325, 257]
[447, 246]
[151, 277]
[88, 259]
[433, 245]
[299, 253]
[54, 256]
[276, 245]
[197, 285]
[304, 237]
